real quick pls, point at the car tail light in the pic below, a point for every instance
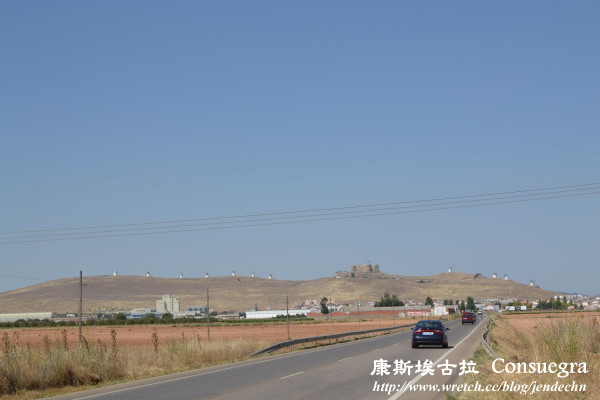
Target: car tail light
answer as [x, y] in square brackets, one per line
[417, 332]
[439, 332]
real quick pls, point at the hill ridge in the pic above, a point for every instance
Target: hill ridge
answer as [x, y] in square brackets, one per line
[107, 292]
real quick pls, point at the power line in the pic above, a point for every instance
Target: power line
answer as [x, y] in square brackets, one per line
[306, 215]
[24, 277]
[299, 164]
[299, 211]
[303, 221]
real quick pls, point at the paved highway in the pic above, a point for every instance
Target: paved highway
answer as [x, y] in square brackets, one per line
[342, 371]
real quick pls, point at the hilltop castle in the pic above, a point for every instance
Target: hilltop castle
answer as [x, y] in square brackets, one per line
[365, 269]
[362, 271]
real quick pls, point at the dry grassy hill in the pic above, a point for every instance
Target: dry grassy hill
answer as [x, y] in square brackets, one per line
[243, 293]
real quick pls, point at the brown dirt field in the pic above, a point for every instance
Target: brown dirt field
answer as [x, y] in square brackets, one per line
[527, 323]
[142, 335]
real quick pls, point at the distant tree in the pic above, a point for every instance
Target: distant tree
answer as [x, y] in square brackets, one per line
[462, 306]
[167, 316]
[323, 303]
[429, 301]
[559, 305]
[389, 301]
[448, 302]
[543, 305]
[148, 317]
[120, 316]
[471, 304]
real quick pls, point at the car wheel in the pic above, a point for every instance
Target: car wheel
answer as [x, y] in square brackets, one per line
[445, 345]
[414, 345]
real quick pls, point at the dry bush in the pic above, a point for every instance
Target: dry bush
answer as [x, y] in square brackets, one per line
[37, 369]
[55, 366]
[181, 354]
[553, 340]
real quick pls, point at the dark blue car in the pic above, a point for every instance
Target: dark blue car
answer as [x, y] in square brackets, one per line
[429, 332]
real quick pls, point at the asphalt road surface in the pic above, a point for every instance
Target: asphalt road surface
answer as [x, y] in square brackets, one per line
[342, 371]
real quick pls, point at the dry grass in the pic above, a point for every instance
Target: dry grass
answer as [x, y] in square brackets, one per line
[563, 340]
[58, 364]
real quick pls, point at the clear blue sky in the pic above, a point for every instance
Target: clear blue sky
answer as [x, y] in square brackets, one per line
[142, 111]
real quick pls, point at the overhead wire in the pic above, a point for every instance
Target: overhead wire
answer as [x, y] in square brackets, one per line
[303, 164]
[339, 215]
[272, 218]
[293, 222]
[24, 277]
[300, 211]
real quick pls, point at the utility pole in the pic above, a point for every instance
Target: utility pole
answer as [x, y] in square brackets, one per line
[287, 315]
[80, 300]
[331, 316]
[358, 312]
[208, 314]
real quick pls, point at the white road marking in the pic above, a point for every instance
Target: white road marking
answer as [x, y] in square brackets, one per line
[297, 373]
[344, 359]
[416, 379]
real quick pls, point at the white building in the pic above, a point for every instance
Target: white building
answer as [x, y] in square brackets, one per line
[12, 317]
[167, 304]
[198, 310]
[439, 310]
[273, 313]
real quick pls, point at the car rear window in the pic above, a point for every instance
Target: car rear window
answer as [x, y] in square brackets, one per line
[429, 325]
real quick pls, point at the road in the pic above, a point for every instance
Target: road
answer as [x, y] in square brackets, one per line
[342, 371]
